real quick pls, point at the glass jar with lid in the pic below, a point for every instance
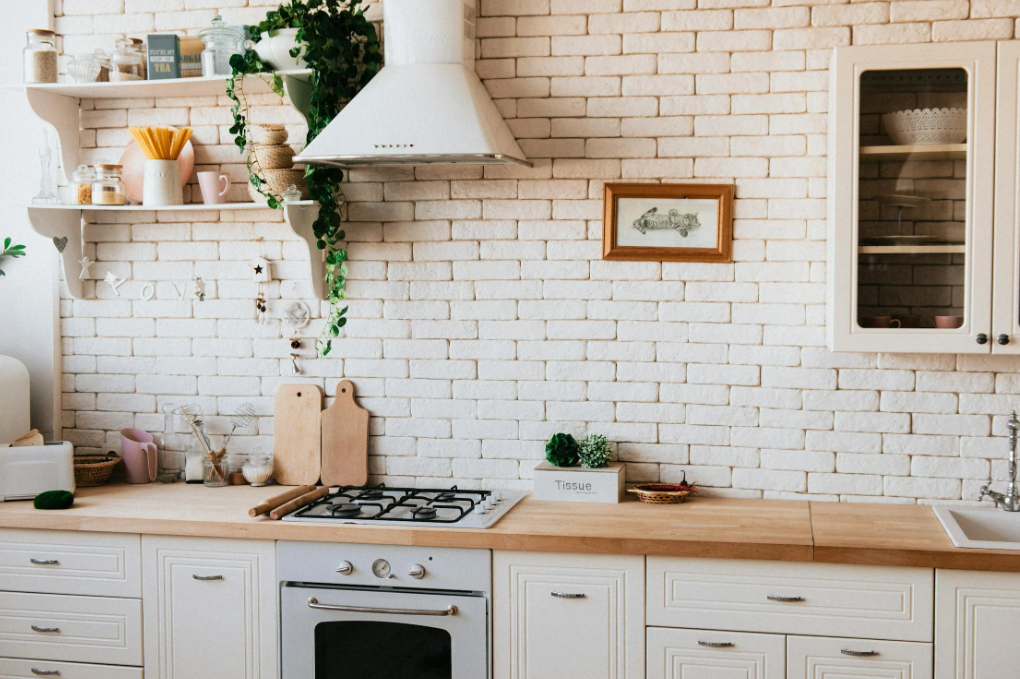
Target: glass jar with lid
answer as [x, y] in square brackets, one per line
[139, 46]
[104, 66]
[221, 42]
[108, 189]
[126, 63]
[81, 180]
[40, 56]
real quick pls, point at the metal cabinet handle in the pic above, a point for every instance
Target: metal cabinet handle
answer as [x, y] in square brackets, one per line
[715, 644]
[207, 577]
[45, 562]
[568, 595]
[784, 599]
[982, 338]
[47, 630]
[314, 603]
[1002, 339]
[858, 654]
[46, 673]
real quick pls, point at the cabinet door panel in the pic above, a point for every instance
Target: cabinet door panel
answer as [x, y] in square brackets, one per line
[824, 658]
[1006, 298]
[705, 654]
[210, 608]
[977, 618]
[559, 615]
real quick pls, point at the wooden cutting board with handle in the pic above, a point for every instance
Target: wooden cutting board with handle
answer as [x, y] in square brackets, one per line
[296, 434]
[344, 440]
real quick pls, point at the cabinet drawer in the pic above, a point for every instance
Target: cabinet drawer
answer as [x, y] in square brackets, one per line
[701, 654]
[72, 628]
[16, 668]
[60, 562]
[792, 598]
[825, 658]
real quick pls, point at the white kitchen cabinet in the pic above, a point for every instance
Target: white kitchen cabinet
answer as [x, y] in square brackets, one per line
[1006, 295]
[977, 619]
[568, 615]
[826, 658]
[910, 224]
[706, 654]
[210, 608]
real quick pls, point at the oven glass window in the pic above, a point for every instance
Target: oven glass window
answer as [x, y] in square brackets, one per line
[382, 650]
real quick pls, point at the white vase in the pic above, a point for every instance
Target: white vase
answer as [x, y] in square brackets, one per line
[162, 184]
[274, 49]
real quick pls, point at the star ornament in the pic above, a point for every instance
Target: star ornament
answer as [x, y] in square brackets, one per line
[258, 268]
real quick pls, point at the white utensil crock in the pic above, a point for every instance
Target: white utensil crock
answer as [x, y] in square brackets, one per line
[162, 184]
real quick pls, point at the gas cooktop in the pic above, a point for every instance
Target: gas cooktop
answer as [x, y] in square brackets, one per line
[435, 507]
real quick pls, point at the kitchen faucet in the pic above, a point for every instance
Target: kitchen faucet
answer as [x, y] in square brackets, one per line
[1010, 501]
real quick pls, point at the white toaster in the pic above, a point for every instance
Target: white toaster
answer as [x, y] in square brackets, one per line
[27, 471]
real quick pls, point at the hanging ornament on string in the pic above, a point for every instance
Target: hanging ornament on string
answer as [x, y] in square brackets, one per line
[296, 316]
[84, 262]
[259, 275]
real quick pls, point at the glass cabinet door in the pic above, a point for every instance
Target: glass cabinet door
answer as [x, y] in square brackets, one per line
[910, 199]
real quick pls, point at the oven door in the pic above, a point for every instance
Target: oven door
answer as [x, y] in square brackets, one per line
[338, 633]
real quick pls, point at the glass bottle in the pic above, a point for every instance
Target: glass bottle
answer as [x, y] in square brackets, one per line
[81, 180]
[170, 448]
[40, 56]
[221, 42]
[125, 62]
[108, 189]
[47, 185]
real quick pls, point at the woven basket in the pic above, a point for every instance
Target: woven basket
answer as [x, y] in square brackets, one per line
[269, 135]
[272, 157]
[662, 493]
[278, 181]
[94, 470]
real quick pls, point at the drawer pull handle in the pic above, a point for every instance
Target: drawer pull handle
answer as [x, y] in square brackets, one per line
[45, 562]
[567, 595]
[46, 630]
[858, 654]
[46, 673]
[784, 599]
[715, 644]
[207, 577]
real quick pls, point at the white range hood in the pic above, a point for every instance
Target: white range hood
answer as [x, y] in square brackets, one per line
[426, 105]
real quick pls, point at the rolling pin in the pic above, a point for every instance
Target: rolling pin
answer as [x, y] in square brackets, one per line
[272, 503]
[298, 503]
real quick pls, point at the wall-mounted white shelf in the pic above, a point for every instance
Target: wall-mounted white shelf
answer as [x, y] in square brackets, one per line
[60, 222]
[911, 249]
[914, 152]
[58, 103]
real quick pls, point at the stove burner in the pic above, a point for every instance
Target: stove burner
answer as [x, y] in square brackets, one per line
[372, 494]
[345, 510]
[445, 497]
[424, 513]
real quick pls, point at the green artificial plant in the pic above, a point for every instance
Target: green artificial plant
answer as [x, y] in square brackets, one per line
[342, 48]
[562, 450]
[12, 251]
[594, 451]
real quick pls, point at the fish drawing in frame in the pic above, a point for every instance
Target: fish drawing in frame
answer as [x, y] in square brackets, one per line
[653, 220]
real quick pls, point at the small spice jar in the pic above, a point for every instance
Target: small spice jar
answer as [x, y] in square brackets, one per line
[40, 56]
[108, 189]
[258, 469]
[126, 63]
[81, 180]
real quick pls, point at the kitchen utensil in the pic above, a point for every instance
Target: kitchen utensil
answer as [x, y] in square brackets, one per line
[296, 434]
[662, 493]
[948, 322]
[927, 126]
[27, 471]
[879, 322]
[214, 186]
[272, 503]
[139, 453]
[94, 470]
[244, 416]
[133, 161]
[344, 440]
[297, 503]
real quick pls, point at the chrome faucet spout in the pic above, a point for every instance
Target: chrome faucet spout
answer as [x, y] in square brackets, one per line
[1010, 500]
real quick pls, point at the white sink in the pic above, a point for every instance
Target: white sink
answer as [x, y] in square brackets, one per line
[981, 528]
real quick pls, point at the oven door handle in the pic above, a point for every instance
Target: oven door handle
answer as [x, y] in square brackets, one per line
[314, 603]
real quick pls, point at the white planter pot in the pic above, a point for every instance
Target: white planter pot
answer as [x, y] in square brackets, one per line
[274, 49]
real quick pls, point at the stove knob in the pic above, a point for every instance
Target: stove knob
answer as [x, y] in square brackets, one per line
[498, 496]
[417, 571]
[345, 568]
[480, 508]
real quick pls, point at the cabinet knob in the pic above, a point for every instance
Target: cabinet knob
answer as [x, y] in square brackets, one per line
[982, 338]
[715, 644]
[345, 568]
[45, 630]
[1002, 339]
[784, 599]
[45, 562]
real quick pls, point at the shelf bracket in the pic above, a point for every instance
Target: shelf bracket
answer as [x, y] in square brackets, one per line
[60, 112]
[300, 218]
[299, 93]
[62, 227]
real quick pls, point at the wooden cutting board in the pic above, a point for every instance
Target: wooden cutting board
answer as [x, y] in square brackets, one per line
[344, 440]
[296, 434]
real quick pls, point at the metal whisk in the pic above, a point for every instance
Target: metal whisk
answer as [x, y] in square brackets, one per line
[244, 416]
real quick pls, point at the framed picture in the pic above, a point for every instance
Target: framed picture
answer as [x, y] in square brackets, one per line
[668, 222]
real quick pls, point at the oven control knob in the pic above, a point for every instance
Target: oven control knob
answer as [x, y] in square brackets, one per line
[417, 571]
[345, 568]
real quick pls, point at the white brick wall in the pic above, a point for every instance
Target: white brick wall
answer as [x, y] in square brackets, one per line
[483, 320]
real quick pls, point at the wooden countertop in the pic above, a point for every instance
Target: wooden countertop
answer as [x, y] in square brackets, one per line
[900, 535]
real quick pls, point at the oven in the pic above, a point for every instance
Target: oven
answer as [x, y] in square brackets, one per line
[386, 612]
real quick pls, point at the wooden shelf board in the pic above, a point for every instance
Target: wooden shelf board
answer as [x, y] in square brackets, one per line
[914, 152]
[164, 208]
[911, 249]
[176, 87]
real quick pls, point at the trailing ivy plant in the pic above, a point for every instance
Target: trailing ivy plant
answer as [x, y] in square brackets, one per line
[342, 49]
[12, 251]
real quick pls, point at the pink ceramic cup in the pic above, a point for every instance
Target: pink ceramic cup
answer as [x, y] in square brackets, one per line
[948, 322]
[139, 453]
[214, 187]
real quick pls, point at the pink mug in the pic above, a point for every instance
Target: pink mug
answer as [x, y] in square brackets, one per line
[210, 183]
[139, 453]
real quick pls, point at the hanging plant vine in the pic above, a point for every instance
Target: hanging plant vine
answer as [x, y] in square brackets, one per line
[342, 49]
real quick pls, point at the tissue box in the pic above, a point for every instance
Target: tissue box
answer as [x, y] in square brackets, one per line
[577, 484]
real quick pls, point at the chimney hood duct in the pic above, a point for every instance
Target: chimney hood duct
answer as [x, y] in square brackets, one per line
[426, 105]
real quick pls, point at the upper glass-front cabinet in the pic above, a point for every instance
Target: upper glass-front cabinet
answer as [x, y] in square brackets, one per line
[911, 198]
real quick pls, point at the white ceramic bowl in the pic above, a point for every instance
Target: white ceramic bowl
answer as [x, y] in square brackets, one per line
[927, 126]
[274, 49]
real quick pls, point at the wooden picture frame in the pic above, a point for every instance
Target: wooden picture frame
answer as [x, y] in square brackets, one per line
[656, 213]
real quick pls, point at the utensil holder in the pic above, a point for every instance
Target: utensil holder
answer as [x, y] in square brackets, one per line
[162, 184]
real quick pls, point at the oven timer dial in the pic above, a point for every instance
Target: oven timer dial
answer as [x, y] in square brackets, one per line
[417, 571]
[381, 568]
[345, 568]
